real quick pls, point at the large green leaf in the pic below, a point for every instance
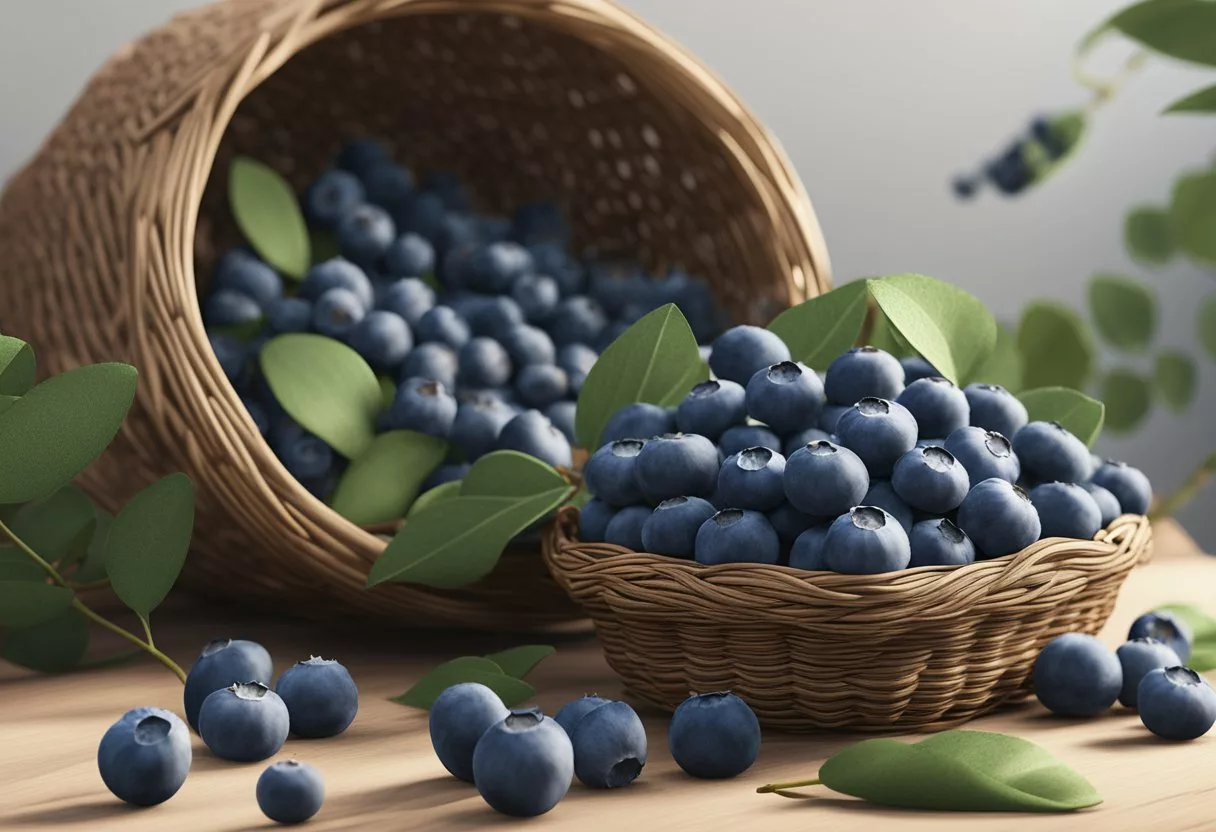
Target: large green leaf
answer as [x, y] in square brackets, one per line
[519, 661]
[821, 328]
[1179, 28]
[26, 603]
[438, 494]
[510, 474]
[1207, 325]
[1175, 379]
[1004, 365]
[269, 216]
[325, 386]
[1124, 310]
[17, 366]
[1056, 347]
[1076, 411]
[424, 692]
[54, 431]
[16, 565]
[951, 328]
[1128, 397]
[1148, 235]
[1193, 213]
[53, 646]
[382, 484]
[52, 525]
[696, 374]
[1202, 101]
[147, 545]
[646, 363]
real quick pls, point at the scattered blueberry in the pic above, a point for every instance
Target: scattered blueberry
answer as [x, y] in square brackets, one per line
[484, 363]
[231, 354]
[1165, 627]
[458, 718]
[863, 372]
[424, 406]
[999, 518]
[939, 542]
[736, 536]
[408, 297]
[244, 722]
[938, 406]
[1129, 485]
[753, 479]
[677, 465]
[788, 397]
[1176, 703]
[290, 792]
[524, 764]
[1049, 453]
[995, 408]
[320, 696]
[808, 551]
[930, 479]
[878, 431]
[710, 408]
[577, 360]
[569, 714]
[672, 527]
[625, 527]
[866, 541]
[825, 480]
[494, 317]
[1066, 510]
[532, 433]
[1137, 657]
[493, 269]
[562, 414]
[145, 756]
[609, 746]
[537, 296]
[1076, 675]
[289, 315]
[714, 736]
[984, 454]
[741, 351]
[639, 421]
[221, 663]
[389, 186]
[410, 256]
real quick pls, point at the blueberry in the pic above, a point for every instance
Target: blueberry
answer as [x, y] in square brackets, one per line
[408, 297]
[306, 457]
[741, 351]
[825, 480]
[930, 479]
[672, 528]
[361, 155]
[995, 408]
[1108, 506]
[1165, 627]
[878, 431]
[458, 718]
[625, 527]
[337, 313]
[562, 414]
[422, 405]
[710, 408]
[1066, 510]
[424, 216]
[938, 406]
[229, 308]
[538, 222]
[677, 465]
[798, 440]
[290, 792]
[984, 454]
[145, 756]
[244, 722]
[1176, 703]
[577, 360]
[863, 372]
[786, 396]
[495, 317]
[432, 361]
[337, 273]
[320, 696]
[442, 325]
[484, 363]
[365, 234]
[332, 196]
[737, 536]
[239, 271]
[577, 320]
[524, 764]
[829, 418]
[753, 479]
[528, 345]
[916, 368]
[389, 186]
[478, 423]
[383, 339]
[640, 421]
[540, 385]
[537, 296]
[231, 354]
[289, 315]
[1139, 656]
[609, 746]
[593, 520]
[447, 186]
[808, 551]
[999, 518]
[1049, 453]
[410, 256]
[444, 474]
[493, 269]
[531, 433]
[939, 542]
[738, 437]
[611, 472]
[882, 494]
[258, 414]
[569, 714]
[866, 541]
[224, 662]
[1076, 675]
[1129, 485]
[714, 736]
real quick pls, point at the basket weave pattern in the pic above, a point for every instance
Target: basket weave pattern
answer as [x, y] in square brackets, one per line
[926, 648]
[110, 233]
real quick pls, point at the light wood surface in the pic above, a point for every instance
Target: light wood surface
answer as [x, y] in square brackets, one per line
[382, 774]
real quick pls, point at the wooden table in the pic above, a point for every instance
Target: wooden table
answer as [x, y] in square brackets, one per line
[382, 774]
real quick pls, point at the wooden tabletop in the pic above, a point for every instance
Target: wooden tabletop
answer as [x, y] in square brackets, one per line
[382, 775]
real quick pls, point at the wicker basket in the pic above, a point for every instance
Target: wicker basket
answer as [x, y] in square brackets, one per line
[925, 649]
[110, 231]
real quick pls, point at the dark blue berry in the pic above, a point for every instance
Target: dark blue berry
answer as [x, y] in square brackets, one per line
[999, 518]
[677, 465]
[389, 186]
[365, 234]
[337, 273]
[1165, 627]
[410, 255]
[1076, 675]
[523, 765]
[537, 296]
[337, 312]
[930, 479]
[1066, 510]
[383, 338]
[625, 527]
[240, 271]
[823, 479]
[611, 472]
[714, 736]
[1108, 506]
[289, 315]
[229, 308]
[495, 317]
[995, 408]
[938, 406]
[1138, 658]
[641, 421]
[882, 495]
[741, 351]
[442, 325]
[433, 361]
[321, 697]
[753, 479]
[710, 408]
[290, 792]
[577, 320]
[939, 542]
[738, 437]
[736, 536]
[478, 423]
[808, 551]
[984, 454]
[798, 440]
[1129, 485]
[879, 431]
[866, 541]
[1176, 703]
[863, 372]
[540, 385]
[672, 527]
[593, 519]
[788, 397]
[332, 196]
[531, 433]
[145, 756]
[1049, 453]
[422, 405]
[244, 722]
[458, 718]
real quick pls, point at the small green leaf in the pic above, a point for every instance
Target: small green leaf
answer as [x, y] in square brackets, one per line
[1124, 310]
[1056, 346]
[93, 567]
[269, 216]
[951, 328]
[324, 245]
[1077, 412]
[325, 386]
[1181, 29]
[51, 525]
[1004, 365]
[646, 363]
[382, 484]
[1148, 235]
[1202, 101]
[519, 661]
[146, 547]
[17, 366]
[1175, 379]
[15, 565]
[510, 475]
[1207, 325]
[54, 646]
[821, 328]
[55, 430]
[438, 494]
[424, 692]
[1128, 397]
[26, 603]
[1193, 213]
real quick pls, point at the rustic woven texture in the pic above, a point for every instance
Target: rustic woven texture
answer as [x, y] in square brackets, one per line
[925, 648]
[110, 233]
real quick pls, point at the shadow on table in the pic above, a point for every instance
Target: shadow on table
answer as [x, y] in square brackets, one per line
[97, 810]
[421, 794]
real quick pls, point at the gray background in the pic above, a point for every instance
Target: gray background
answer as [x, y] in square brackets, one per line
[878, 102]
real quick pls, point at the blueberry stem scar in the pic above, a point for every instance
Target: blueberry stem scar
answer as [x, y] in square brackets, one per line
[783, 789]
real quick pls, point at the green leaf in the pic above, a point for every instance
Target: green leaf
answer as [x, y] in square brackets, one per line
[51, 525]
[324, 245]
[1004, 365]
[6, 402]
[26, 603]
[15, 565]
[1148, 235]
[424, 692]
[146, 547]
[1202, 101]
[1124, 310]
[1181, 29]
[1193, 213]
[580, 498]
[93, 567]
[382, 484]
[439, 494]
[17, 366]
[969, 771]
[1207, 325]
[267, 213]
[54, 646]
[1128, 397]
[951, 328]
[646, 363]
[1057, 349]
[695, 375]
[1077, 412]
[519, 661]
[510, 475]
[388, 392]
[821, 328]
[1175, 379]
[325, 386]
[55, 430]
[886, 337]
[1203, 632]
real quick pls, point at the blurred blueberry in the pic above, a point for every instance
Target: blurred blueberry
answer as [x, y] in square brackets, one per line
[1165, 627]
[553, 260]
[332, 196]
[422, 405]
[337, 273]
[495, 317]
[532, 433]
[231, 354]
[433, 361]
[1010, 173]
[240, 271]
[529, 345]
[337, 313]
[444, 474]
[383, 338]
[562, 414]
[577, 320]
[540, 222]
[577, 360]
[537, 296]
[641, 420]
[289, 315]
[361, 155]
[389, 186]
[484, 363]
[447, 186]
[494, 268]
[423, 216]
[441, 324]
[229, 308]
[540, 385]
[410, 255]
[409, 297]
[365, 234]
[478, 423]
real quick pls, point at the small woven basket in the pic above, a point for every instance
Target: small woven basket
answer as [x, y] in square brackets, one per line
[923, 649]
[110, 233]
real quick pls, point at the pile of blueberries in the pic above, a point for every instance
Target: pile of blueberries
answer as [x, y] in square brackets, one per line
[523, 762]
[878, 466]
[145, 756]
[487, 326]
[1076, 675]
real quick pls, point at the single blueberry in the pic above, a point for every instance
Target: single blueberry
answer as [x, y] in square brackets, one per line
[320, 696]
[1108, 505]
[289, 315]
[741, 351]
[389, 186]
[540, 385]
[999, 518]
[611, 472]
[361, 155]
[441, 324]
[677, 465]
[736, 536]
[244, 722]
[609, 746]
[672, 528]
[408, 297]
[1049, 453]
[365, 233]
[825, 480]
[532, 433]
[863, 372]
[562, 414]
[423, 216]
[231, 354]
[537, 296]
[714, 735]
[494, 317]
[593, 520]
[337, 313]
[916, 368]
[1076, 675]
[444, 474]
[995, 408]
[640, 421]
[938, 406]
[432, 361]
[577, 320]
[1137, 657]
[524, 764]
[1066, 510]
[221, 663]
[809, 551]
[383, 339]
[577, 360]
[984, 454]
[494, 268]
[569, 714]
[866, 541]
[332, 196]
[1176, 703]
[753, 479]
[242, 272]
[1165, 627]
[1129, 485]
[484, 363]
[829, 418]
[939, 542]
[290, 792]
[337, 273]
[710, 408]
[410, 255]
[798, 440]
[553, 260]
[625, 527]
[306, 457]
[422, 405]
[788, 397]
[930, 479]
[458, 718]
[878, 431]
[529, 345]
[738, 437]
[229, 308]
[882, 494]
[144, 757]
[478, 423]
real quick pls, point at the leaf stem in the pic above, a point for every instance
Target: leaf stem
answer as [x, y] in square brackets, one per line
[783, 789]
[1104, 89]
[34, 556]
[147, 631]
[1186, 492]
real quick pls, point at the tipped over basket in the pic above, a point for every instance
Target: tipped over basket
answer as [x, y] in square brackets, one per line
[921, 649]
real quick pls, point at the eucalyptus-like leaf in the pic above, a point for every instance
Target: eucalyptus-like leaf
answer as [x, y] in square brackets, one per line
[325, 386]
[26, 603]
[647, 363]
[1148, 235]
[55, 430]
[1004, 365]
[821, 328]
[1056, 346]
[1206, 325]
[424, 692]
[510, 475]
[1124, 310]
[1128, 397]
[520, 661]
[1201, 101]
[16, 565]
[439, 494]
[93, 564]
[382, 484]
[17, 366]
[265, 208]
[52, 525]
[147, 545]
[1193, 211]
[1181, 29]
[52, 646]
[1175, 379]
[6, 402]
[1080, 414]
